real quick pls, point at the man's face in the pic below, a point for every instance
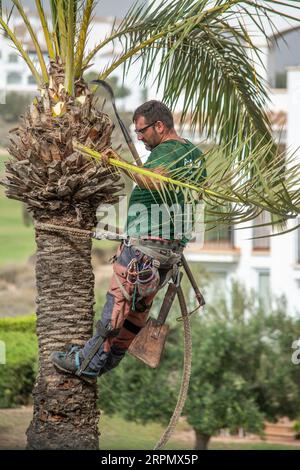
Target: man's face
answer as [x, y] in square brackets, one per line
[151, 136]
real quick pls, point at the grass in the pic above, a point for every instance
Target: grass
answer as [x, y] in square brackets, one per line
[16, 240]
[117, 434]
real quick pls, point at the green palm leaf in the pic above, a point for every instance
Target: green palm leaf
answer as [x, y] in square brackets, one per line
[34, 40]
[202, 58]
[44, 24]
[21, 50]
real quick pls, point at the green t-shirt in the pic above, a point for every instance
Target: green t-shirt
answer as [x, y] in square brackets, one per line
[150, 213]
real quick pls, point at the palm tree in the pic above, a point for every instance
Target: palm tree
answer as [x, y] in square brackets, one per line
[63, 187]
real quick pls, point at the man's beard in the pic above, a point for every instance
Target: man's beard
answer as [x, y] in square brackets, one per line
[148, 147]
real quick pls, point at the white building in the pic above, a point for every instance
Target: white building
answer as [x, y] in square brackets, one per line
[16, 77]
[271, 266]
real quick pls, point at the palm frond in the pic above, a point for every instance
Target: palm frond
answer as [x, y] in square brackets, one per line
[83, 36]
[34, 40]
[214, 73]
[62, 28]
[44, 24]
[21, 50]
[69, 65]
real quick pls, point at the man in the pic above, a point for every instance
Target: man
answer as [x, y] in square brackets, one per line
[149, 257]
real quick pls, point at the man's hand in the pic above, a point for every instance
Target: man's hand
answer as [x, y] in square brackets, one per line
[141, 180]
[107, 154]
[151, 183]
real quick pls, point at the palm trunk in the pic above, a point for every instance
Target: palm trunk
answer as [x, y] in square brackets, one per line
[65, 413]
[201, 440]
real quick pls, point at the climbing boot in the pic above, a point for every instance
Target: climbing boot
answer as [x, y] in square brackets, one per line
[70, 362]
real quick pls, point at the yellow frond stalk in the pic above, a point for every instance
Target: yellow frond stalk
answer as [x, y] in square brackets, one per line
[82, 37]
[144, 171]
[34, 40]
[23, 53]
[62, 29]
[45, 29]
[69, 77]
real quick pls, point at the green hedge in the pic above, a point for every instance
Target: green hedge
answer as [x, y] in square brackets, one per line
[18, 374]
[24, 323]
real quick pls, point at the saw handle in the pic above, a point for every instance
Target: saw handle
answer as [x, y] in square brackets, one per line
[168, 301]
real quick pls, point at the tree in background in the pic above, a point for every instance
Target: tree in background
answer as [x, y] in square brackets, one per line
[120, 91]
[223, 94]
[15, 105]
[242, 372]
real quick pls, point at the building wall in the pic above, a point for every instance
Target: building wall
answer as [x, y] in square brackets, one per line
[100, 29]
[274, 272]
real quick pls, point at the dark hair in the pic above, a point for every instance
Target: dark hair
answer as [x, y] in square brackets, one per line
[155, 111]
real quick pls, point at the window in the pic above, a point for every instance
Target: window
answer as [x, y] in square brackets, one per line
[218, 233]
[219, 236]
[31, 80]
[14, 78]
[264, 231]
[217, 286]
[264, 289]
[12, 58]
[284, 52]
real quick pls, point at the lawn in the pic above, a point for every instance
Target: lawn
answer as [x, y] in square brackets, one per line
[117, 434]
[16, 240]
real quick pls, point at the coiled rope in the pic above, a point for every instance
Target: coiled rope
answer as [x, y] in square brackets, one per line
[76, 232]
[187, 368]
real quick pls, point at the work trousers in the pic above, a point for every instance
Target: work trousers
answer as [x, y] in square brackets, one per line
[124, 322]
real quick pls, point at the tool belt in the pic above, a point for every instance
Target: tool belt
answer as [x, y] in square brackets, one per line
[166, 252]
[154, 258]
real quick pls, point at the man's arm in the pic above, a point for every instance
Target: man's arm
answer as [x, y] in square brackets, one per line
[142, 181]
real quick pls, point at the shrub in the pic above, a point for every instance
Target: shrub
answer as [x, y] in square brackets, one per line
[24, 323]
[18, 374]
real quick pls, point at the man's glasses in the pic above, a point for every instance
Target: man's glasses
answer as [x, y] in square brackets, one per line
[142, 131]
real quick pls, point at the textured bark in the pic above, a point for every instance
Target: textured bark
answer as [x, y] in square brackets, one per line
[45, 172]
[65, 413]
[201, 440]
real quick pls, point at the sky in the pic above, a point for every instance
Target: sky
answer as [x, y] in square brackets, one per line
[116, 8]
